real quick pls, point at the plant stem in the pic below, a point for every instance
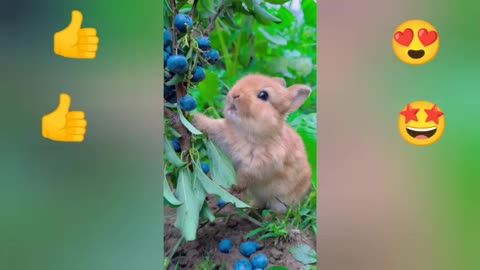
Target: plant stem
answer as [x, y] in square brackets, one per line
[174, 120]
[194, 8]
[174, 250]
[226, 55]
[174, 37]
[237, 49]
[254, 221]
[211, 25]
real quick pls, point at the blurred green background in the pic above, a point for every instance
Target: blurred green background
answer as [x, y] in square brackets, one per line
[95, 205]
[452, 81]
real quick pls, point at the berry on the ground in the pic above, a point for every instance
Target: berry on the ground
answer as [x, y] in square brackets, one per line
[221, 203]
[248, 248]
[243, 264]
[225, 245]
[260, 261]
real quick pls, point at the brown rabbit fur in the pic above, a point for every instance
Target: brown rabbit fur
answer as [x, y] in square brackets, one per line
[268, 155]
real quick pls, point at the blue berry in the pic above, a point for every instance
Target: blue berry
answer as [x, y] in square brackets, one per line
[168, 50]
[167, 38]
[181, 21]
[221, 203]
[165, 58]
[225, 245]
[204, 43]
[205, 167]
[169, 92]
[248, 248]
[260, 261]
[188, 103]
[212, 56]
[176, 145]
[243, 264]
[199, 75]
[177, 64]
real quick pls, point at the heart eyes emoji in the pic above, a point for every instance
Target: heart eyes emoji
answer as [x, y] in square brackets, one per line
[405, 38]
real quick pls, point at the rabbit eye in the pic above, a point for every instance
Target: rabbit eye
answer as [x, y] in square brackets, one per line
[263, 95]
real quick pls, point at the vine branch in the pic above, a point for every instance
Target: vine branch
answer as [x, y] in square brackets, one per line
[211, 25]
[194, 8]
[174, 37]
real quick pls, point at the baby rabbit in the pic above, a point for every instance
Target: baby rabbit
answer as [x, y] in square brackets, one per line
[268, 155]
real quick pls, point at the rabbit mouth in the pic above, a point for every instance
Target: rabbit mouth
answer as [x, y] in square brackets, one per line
[232, 112]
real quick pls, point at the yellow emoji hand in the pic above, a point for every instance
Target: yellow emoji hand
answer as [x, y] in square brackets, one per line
[62, 125]
[76, 42]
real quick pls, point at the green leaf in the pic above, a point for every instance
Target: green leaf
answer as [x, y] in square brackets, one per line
[167, 192]
[206, 7]
[213, 188]
[229, 18]
[274, 39]
[222, 170]
[209, 87]
[189, 53]
[304, 254]
[198, 191]
[186, 123]
[267, 235]
[250, 4]
[263, 17]
[188, 212]
[238, 7]
[206, 213]
[254, 232]
[278, 268]
[176, 79]
[181, 3]
[277, 2]
[174, 132]
[309, 8]
[171, 155]
[306, 127]
[286, 16]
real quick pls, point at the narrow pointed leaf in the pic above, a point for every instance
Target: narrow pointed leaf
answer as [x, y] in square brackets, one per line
[187, 213]
[187, 124]
[222, 170]
[168, 194]
[176, 79]
[171, 155]
[207, 213]
[304, 254]
[213, 188]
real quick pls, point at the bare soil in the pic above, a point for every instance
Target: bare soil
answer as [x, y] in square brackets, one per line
[193, 253]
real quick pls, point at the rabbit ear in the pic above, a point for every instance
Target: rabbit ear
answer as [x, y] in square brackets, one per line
[281, 81]
[300, 93]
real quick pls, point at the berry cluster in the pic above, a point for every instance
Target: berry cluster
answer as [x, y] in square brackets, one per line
[186, 60]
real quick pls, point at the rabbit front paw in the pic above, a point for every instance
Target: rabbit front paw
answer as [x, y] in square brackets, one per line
[238, 189]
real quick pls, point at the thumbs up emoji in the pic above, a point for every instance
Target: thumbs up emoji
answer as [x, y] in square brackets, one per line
[62, 125]
[76, 42]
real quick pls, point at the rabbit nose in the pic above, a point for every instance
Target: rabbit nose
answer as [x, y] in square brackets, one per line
[236, 96]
